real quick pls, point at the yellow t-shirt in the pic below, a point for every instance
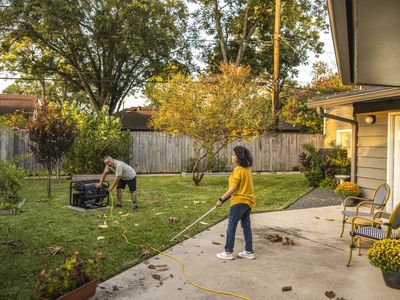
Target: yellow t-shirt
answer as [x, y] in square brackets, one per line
[242, 179]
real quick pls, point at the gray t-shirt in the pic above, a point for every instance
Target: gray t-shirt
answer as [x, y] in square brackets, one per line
[122, 169]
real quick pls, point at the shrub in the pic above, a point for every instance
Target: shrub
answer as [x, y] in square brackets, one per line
[323, 162]
[314, 177]
[11, 179]
[51, 135]
[99, 135]
[385, 255]
[347, 189]
[74, 272]
[329, 183]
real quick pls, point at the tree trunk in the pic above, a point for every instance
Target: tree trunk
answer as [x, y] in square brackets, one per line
[217, 18]
[49, 183]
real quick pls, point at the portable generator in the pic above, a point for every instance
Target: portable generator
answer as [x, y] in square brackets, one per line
[85, 194]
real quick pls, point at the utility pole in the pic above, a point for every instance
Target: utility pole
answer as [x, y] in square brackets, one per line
[275, 85]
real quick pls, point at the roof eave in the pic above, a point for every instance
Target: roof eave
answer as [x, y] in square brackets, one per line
[350, 99]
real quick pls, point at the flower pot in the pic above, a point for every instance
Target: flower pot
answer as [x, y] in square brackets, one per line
[81, 293]
[392, 279]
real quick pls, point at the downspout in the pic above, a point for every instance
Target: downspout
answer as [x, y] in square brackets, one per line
[354, 139]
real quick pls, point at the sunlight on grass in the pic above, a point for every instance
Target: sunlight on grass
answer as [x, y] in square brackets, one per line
[24, 238]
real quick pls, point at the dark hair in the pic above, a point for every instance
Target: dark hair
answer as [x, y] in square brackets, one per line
[244, 158]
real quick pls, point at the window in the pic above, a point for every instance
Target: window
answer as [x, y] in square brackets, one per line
[343, 140]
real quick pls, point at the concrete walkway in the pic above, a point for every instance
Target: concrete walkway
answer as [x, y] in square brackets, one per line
[314, 265]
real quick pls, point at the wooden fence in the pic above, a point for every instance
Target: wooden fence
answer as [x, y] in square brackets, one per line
[158, 152]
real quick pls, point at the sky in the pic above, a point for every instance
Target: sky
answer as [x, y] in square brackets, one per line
[304, 77]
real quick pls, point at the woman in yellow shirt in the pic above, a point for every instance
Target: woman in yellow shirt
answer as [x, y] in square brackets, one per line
[241, 192]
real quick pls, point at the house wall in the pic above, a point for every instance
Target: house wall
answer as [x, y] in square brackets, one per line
[372, 152]
[331, 126]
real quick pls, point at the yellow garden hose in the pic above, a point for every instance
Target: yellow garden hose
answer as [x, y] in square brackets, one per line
[176, 259]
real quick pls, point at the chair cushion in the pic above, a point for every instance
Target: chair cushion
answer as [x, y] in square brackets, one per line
[373, 233]
[352, 213]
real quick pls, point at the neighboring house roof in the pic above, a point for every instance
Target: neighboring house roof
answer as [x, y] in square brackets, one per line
[350, 97]
[9, 103]
[136, 118]
[366, 41]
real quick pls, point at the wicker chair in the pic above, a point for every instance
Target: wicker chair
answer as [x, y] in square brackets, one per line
[376, 230]
[378, 202]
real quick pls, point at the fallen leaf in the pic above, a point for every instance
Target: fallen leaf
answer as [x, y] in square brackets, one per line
[274, 238]
[100, 238]
[103, 226]
[171, 275]
[186, 207]
[316, 217]
[340, 298]
[115, 222]
[330, 294]
[187, 236]
[286, 288]
[126, 215]
[331, 220]
[173, 220]
[151, 267]
[161, 266]
[162, 269]
[203, 223]
[159, 213]
[115, 287]
[203, 202]
[136, 224]
[120, 212]
[215, 243]
[145, 252]
[146, 262]
[196, 202]
[156, 276]
[53, 250]
[286, 241]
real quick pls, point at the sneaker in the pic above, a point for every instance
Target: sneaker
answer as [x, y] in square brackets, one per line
[245, 254]
[225, 255]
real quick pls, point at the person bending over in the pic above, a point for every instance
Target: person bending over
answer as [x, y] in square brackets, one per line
[124, 175]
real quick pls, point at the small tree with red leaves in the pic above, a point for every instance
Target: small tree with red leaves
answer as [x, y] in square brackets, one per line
[51, 136]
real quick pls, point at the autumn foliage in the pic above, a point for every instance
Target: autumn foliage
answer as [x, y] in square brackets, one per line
[214, 110]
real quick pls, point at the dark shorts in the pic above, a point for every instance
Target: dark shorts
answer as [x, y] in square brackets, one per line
[131, 184]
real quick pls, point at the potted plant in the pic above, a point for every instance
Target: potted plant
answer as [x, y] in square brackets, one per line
[75, 279]
[348, 189]
[385, 255]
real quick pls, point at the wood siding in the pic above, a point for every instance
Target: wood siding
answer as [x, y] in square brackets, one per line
[372, 153]
[331, 126]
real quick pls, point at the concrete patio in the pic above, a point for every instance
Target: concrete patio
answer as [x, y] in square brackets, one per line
[314, 265]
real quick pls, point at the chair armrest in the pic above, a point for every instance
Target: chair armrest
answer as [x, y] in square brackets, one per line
[373, 221]
[365, 203]
[353, 198]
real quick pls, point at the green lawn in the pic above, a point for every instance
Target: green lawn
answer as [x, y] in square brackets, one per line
[25, 237]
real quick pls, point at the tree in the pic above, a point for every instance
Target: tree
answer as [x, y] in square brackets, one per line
[99, 135]
[324, 82]
[107, 48]
[243, 31]
[214, 110]
[51, 136]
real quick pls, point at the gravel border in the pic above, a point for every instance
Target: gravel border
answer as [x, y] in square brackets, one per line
[317, 197]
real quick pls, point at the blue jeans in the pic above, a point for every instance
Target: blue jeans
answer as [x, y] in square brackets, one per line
[239, 212]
